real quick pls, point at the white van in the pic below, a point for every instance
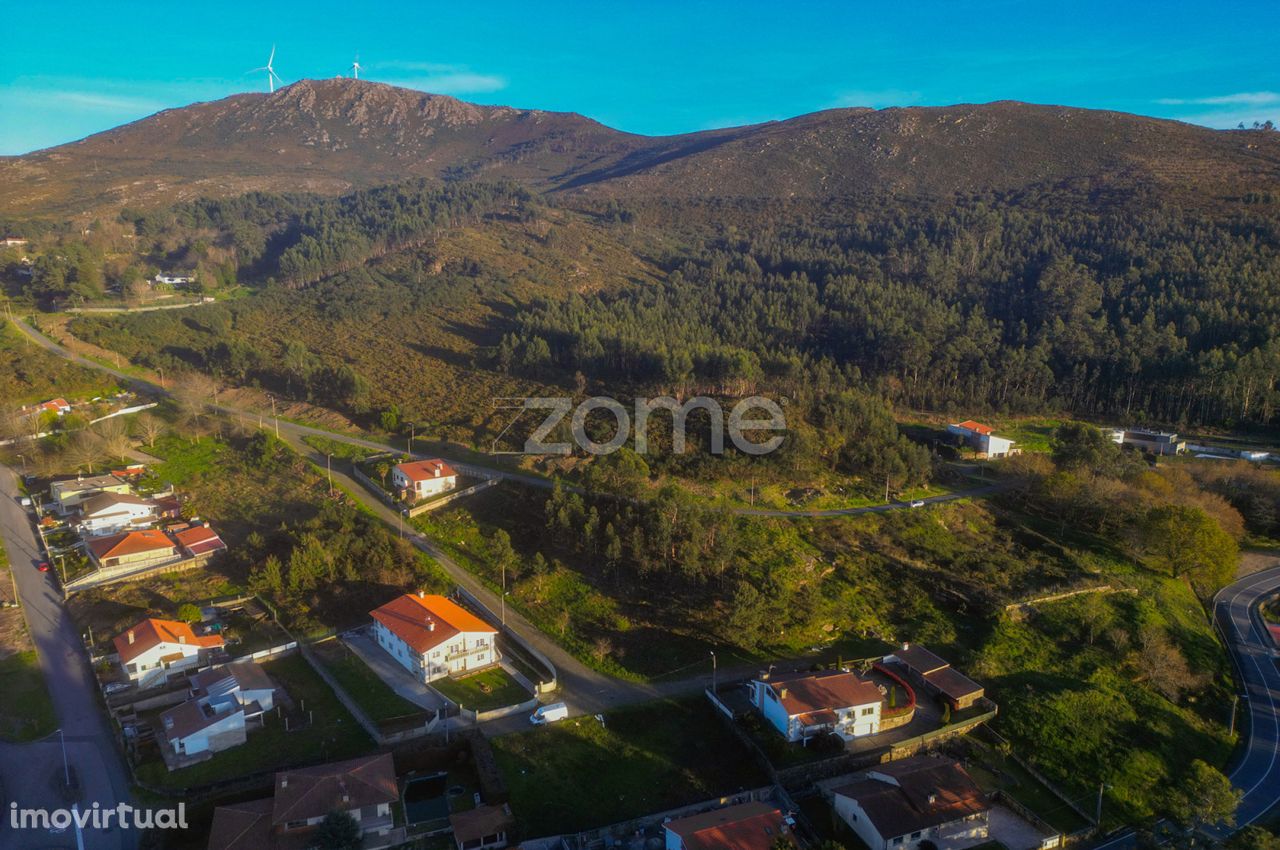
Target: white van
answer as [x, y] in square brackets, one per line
[549, 713]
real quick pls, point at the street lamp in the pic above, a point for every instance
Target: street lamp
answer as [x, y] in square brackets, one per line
[66, 769]
[713, 671]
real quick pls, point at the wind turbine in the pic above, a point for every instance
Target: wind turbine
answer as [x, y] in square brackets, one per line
[272, 76]
[355, 67]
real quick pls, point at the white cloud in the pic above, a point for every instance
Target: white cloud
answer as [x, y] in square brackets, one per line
[437, 78]
[877, 99]
[1246, 98]
[101, 102]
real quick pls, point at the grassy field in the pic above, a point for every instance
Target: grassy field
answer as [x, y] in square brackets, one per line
[332, 736]
[374, 696]
[26, 712]
[337, 448]
[483, 691]
[30, 374]
[643, 760]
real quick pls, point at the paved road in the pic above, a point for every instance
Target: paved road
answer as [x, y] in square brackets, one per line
[1257, 768]
[29, 771]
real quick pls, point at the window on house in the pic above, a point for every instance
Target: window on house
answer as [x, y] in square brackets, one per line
[914, 836]
[867, 711]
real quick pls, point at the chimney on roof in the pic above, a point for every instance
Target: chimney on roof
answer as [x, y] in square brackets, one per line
[284, 780]
[933, 798]
[783, 693]
[182, 638]
[422, 594]
[130, 637]
[906, 645]
[346, 797]
[431, 624]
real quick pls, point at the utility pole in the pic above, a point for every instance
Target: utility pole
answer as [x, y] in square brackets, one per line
[66, 770]
[410, 439]
[1097, 817]
[1235, 701]
[328, 466]
[273, 414]
[713, 671]
[504, 594]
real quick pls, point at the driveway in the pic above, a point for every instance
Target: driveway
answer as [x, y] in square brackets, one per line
[90, 742]
[397, 678]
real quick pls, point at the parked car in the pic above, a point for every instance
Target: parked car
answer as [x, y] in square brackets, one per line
[43, 566]
[918, 503]
[25, 501]
[549, 714]
[116, 687]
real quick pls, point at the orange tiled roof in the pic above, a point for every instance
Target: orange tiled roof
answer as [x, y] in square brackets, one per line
[747, 826]
[807, 693]
[424, 470]
[130, 543]
[976, 427]
[410, 618]
[152, 632]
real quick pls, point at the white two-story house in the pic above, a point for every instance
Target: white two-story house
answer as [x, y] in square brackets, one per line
[421, 479]
[112, 513]
[804, 705]
[902, 804]
[431, 636]
[154, 648]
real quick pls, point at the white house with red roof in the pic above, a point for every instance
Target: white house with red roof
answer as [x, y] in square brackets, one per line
[805, 705]
[421, 479]
[982, 439]
[153, 649]
[746, 826]
[432, 636]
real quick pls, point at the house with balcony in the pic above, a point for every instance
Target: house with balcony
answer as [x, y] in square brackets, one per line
[901, 804]
[422, 479]
[364, 788]
[152, 650]
[432, 636]
[802, 706]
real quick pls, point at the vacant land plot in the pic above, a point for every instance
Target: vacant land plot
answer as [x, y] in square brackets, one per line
[483, 691]
[108, 611]
[26, 713]
[642, 760]
[374, 696]
[322, 730]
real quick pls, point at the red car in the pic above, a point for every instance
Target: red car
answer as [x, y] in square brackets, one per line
[43, 566]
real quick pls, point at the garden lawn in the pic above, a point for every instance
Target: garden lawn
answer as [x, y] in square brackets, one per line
[26, 712]
[483, 691]
[334, 735]
[643, 760]
[366, 687]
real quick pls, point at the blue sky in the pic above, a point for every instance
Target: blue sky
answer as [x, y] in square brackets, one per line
[74, 68]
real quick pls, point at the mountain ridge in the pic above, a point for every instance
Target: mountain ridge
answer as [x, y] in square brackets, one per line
[331, 136]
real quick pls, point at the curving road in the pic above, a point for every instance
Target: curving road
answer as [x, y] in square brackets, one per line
[1256, 771]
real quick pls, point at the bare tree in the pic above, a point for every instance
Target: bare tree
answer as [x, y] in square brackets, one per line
[150, 428]
[114, 437]
[86, 452]
[193, 391]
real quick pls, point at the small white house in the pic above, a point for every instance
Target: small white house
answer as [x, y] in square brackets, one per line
[153, 649]
[112, 513]
[224, 702]
[805, 705]
[198, 726]
[174, 279]
[981, 439]
[900, 804]
[431, 636]
[421, 479]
